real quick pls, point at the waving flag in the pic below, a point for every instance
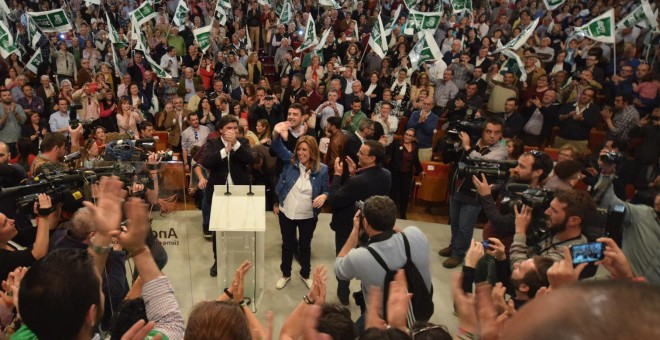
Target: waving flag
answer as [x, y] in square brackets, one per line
[224, 3]
[642, 15]
[51, 21]
[310, 36]
[425, 49]
[460, 6]
[115, 60]
[331, 3]
[410, 3]
[203, 37]
[285, 15]
[143, 13]
[221, 14]
[324, 38]
[517, 42]
[418, 21]
[180, 13]
[160, 72]
[378, 41]
[393, 19]
[551, 5]
[600, 28]
[34, 62]
[33, 32]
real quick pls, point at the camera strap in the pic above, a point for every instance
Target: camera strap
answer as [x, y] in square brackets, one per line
[553, 245]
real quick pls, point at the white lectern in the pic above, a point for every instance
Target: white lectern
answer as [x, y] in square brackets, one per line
[239, 220]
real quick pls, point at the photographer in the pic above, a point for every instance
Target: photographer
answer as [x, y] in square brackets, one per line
[52, 151]
[532, 169]
[641, 229]
[567, 214]
[464, 206]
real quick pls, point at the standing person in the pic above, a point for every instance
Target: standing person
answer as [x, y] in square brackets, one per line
[302, 190]
[371, 179]
[424, 122]
[11, 119]
[464, 206]
[404, 165]
[65, 63]
[127, 118]
[35, 129]
[227, 158]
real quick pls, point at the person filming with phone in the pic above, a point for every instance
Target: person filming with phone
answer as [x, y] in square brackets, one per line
[566, 216]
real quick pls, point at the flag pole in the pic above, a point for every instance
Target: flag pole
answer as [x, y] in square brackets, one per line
[614, 55]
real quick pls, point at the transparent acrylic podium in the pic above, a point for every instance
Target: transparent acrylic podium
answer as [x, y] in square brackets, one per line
[239, 221]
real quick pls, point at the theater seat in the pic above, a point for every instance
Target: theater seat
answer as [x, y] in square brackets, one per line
[552, 152]
[434, 186]
[596, 139]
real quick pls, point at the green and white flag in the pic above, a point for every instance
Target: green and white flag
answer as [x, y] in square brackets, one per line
[34, 62]
[33, 32]
[115, 60]
[642, 15]
[221, 14]
[517, 42]
[143, 13]
[224, 3]
[7, 45]
[378, 39]
[92, 2]
[460, 6]
[410, 3]
[310, 36]
[180, 13]
[248, 41]
[265, 3]
[203, 37]
[393, 19]
[285, 15]
[324, 38]
[418, 21]
[51, 21]
[112, 32]
[4, 8]
[514, 64]
[600, 28]
[330, 3]
[551, 5]
[160, 72]
[425, 49]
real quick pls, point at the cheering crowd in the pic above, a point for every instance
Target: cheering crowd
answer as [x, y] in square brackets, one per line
[335, 106]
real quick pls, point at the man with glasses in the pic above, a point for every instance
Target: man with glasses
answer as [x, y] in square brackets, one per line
[424, 122]
[464, 206]
[194, 135]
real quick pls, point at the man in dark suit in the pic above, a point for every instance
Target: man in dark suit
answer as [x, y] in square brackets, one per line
[227, 159]
[239, 91]
[368, 180]
[356, 140]
[513, 120]
[294, 92]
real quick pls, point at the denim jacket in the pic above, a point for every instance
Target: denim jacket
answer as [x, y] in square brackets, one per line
[291, 172]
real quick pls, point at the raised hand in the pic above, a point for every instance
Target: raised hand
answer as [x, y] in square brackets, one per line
[107, 213]
[137, 225]
[398, 301]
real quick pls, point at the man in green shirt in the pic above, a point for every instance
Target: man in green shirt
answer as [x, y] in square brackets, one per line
[352, 118]
[177, 41]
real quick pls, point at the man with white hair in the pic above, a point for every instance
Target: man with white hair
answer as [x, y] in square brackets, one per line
[47, 91]
[279, 54]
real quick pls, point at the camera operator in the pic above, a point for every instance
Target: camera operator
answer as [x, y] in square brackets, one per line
[11, 256]
[610, 154]
[464, 205]
[52, 153]
[641, 231]
[532, 169]
[567, 214]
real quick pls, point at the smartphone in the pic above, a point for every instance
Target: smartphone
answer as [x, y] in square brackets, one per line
[587, 252]
[485, 244]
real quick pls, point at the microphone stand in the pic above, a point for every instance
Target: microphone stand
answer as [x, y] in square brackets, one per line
[250, 193]
[227, 193]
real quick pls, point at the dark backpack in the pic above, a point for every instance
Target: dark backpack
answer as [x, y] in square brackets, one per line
[421, 307]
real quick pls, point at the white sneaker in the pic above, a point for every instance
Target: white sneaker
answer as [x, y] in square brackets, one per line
[308, 282]
[281, 283]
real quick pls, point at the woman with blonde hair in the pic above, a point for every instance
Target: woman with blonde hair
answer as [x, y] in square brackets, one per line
[422, 82]
[302, 190]
[315, 70]
[253, 67]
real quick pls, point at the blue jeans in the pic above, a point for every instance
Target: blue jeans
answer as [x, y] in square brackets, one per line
[463, 218]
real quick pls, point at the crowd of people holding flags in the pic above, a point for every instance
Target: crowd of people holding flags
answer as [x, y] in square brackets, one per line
[571, 80]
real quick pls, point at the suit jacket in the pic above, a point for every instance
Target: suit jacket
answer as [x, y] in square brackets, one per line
[236, 163]
[181, 90]
[48, 102]
[167, 121]
[343, 194]
[395, 149]
[351, 148]
[236, 94]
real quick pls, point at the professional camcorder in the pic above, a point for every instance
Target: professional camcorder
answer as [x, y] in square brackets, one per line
[495, 171]
[474, 129]
[133, 150]
[611, 157]
[61, 187]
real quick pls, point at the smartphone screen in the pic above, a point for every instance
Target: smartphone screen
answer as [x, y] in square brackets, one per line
[587, 252]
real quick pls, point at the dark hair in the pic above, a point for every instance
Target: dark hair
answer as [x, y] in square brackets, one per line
[335, 121]
[518, 147]
[565, 169]
[375, 149]
[378, 334]
[543, 162]
[298, 106]
[51, 140]
[144, 125]
[626, 97]
[386, 103]
[226, 120]
[57, 292]
[512, 99]
[429, 331]
[335, 320]
[217, 320]
[578, 203]
[128, 313]
[25, 149]
[380, 212]
[494, 120]
[192, 114]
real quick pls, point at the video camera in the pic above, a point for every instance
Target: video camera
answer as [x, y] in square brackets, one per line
[61, 187]
[611, 157]
[474, 129]
[495, 170]
[133, 150]
[75, 122]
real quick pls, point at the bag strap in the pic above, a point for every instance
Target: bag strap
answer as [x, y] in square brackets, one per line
[378, 259]
[407, 246]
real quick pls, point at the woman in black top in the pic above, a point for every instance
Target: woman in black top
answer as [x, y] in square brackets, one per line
[404, 164]
[35, 128]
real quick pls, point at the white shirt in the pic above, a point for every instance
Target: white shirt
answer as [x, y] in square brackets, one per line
[224, 154]
[174, 68]
[298, 202]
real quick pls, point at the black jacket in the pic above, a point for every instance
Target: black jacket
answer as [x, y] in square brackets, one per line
[343, 195]
[396, 157]
[236, 163]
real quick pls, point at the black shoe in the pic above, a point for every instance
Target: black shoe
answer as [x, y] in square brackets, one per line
[208, 235]
[344, 300]
[214, 269]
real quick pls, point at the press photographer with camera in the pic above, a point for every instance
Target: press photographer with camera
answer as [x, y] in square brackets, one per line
[532, 169]
[568, 213]
[464, 206]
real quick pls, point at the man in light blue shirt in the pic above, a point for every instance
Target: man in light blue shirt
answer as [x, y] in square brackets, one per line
[59, 120]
